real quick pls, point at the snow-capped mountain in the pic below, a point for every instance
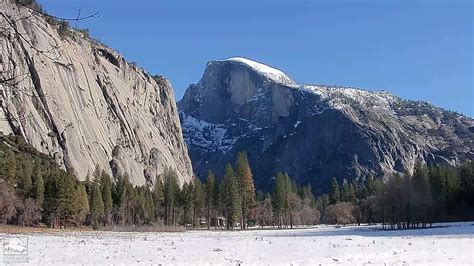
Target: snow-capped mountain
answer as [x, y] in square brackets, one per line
[313, 132]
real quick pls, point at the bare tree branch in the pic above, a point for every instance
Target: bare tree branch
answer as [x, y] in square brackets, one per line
[77, 18]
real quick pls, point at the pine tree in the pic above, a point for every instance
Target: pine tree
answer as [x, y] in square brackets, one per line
[140, 215]
[198, 200]
[185, 201]
[171, 191]
[149, 207]
[439, 191]
[322, 203]
[67, 204]
[421, 210]
[37, 186]
[158, 195]
[244, 178]
[127, 201]
[83, 204]
[281, 197]
[51, 191]
[8, 167]
[210, 197]
[335, 194]
[348, 193]
[89, 186]
[230, 197]
[466, 176]
[24, 182]
[96, 206]
[106, 190]
[308, 196]
[374, 186]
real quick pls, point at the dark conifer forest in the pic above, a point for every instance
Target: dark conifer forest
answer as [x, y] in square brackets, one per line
[34, 190]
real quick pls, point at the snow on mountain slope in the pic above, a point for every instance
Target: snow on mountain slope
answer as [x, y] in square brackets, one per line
[206, 135]
[314, 132]
[269, 72]
[343, 97]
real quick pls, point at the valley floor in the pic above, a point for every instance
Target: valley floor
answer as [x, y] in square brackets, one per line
[443, 245]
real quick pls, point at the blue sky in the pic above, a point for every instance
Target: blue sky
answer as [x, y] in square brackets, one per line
[421, 50]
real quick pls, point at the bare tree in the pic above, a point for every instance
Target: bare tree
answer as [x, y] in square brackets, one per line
[8, 203]
[30, 213]
[340, 213]
[264, 212]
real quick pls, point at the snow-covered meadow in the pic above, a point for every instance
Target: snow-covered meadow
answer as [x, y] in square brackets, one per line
[450, 244]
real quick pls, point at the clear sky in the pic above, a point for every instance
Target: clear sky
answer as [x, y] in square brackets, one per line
[421, 50]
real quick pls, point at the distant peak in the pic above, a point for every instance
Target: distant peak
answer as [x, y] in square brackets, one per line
[267, 71]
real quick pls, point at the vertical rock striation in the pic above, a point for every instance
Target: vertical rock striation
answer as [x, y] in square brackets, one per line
[83, 103]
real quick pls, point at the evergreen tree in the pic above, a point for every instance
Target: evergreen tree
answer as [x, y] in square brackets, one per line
[439, 192]
[244, 178]
[51, 191]
[149, 207]
[106, 190]
[127, 202]
[37, 190]
[307, 195]
[198, 200]
[24, 181]
[335, 194]
[158, 195]
[67, 202]
[348, 192]
[186, 201]
[97, 208]
[322, 203]
[466, 191]
[374, 186]
[8, 167]
[83, 204]
[421, 210]
[171, 191]
[210, 191]
[230, 197]
[281, 197]
[89, 186]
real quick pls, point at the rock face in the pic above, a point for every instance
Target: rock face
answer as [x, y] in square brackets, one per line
[84, 104]
[313, 132]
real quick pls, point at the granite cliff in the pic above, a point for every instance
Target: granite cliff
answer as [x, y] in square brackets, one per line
[83, 104]
[313, 132]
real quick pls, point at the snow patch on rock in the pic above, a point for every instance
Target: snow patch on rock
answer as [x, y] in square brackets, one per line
[205, 135]
[271, 73]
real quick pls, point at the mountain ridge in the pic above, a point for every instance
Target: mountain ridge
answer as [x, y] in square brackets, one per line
[314, 132]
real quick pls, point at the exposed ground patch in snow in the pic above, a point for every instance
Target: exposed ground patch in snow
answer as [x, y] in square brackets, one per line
[323, 244]
[269, 72]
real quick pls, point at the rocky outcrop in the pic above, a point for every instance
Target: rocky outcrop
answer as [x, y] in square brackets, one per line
[313, 132]
[83, 103]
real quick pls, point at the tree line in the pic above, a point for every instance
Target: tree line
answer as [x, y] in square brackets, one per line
[34, 189]
[430, 194]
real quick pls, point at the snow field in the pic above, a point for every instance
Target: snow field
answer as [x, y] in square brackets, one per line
[447, 245]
